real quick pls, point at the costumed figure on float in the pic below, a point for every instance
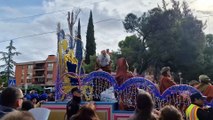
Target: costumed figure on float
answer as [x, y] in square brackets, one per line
[67, 77]
[166, 79]
[205, 87]
[103, 62]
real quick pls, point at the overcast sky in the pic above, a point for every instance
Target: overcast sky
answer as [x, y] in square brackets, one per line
[29, 17]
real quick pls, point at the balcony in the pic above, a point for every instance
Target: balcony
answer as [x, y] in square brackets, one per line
[39, 76]
[39, 69]
[29, 77]
[39, 66]
[39, 81]
[38, 73]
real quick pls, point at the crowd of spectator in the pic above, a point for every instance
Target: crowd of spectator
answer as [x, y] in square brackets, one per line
[13, 106]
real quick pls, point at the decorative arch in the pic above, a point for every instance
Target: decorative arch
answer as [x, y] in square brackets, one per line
[128, 91]
[99, 81]
[99, 74]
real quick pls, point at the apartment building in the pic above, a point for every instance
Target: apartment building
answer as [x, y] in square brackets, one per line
[43, 72]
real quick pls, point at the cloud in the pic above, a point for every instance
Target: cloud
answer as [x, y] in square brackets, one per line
[108, 31]
[205, 12]
[7, 12]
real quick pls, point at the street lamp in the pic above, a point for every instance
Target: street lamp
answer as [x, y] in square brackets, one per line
[180, 78]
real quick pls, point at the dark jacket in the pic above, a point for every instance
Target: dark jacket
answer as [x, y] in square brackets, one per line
[205, 114]
[72, 108]
[4, 110]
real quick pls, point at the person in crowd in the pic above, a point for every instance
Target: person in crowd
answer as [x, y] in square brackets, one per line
[193, 83]
[11, 99]
[35, 101]
[205, 87]
[149, 76]
[18, 115]
[166, 79]
[27, 96]
[103, 62]
[122, 72]
[108, 52]
[43, 97]
[27, 105]
[196, 110]
[144, 107]
[86, 112]
[169, 112]
[51, 97]
[74, 104]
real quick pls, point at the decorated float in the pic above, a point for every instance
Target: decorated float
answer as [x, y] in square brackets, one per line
[101, 87]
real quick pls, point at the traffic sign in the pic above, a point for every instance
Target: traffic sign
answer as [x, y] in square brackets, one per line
[12, 82]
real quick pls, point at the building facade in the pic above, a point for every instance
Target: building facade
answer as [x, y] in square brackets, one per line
[42, 73]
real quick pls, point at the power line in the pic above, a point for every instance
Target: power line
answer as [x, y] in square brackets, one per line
[26, 36]
[52, 12]
[39, 34]
[15, 18]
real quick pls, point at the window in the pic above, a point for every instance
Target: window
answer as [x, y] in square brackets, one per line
[29, 73]
[49, 72]
[29, 76]
[50, 66]
[30, 67]
[49, 76]
[22, 80]
[29, 80]
[41, 80]
[49, 79]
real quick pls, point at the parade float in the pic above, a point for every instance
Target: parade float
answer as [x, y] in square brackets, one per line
[101, 87]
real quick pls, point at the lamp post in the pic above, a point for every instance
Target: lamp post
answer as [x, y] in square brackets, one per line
[180, 78]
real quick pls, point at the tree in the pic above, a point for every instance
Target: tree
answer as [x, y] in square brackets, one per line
[130, 49]
[208, 56]
[79, 49]
[170, 37]
[90, 67]
[3, 79]
[8, 59]
[90, 40]
[71, 19]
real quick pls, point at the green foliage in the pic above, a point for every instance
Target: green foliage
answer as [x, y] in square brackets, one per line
[208, 55]
[114, 57]
[90, 67]
[131, 49]
[8, 59]
[168, 37]
[3, 79]
[38, 88]
[90, 40]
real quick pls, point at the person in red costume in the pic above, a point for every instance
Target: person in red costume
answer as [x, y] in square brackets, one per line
[122, 72]
[166, 79]
[205, 87]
